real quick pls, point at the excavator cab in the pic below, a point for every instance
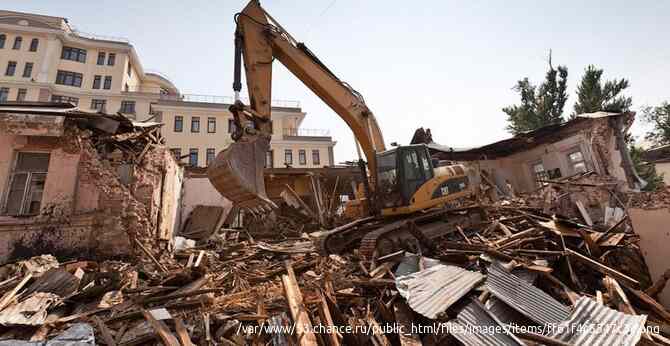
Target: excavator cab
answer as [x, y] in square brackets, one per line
[401, 171]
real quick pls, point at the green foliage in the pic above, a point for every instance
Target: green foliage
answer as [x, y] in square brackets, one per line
[646, 171]
[593, 96]
[659, 118]
[540, 106]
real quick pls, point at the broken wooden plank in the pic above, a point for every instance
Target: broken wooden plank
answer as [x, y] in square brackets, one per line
[603, 268]
[584, 212]
[9, 296]
[161, 330]
[153, 259]
[616, 293]
[303, 325]
[104, 331]
[327, 319]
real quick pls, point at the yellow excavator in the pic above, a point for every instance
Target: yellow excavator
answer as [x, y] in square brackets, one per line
[401, 180]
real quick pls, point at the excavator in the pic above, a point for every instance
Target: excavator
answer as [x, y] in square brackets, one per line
[403, 187]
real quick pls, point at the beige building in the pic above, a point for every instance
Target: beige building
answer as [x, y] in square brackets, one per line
[43, 58]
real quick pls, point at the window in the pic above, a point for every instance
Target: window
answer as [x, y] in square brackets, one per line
[96, 81]
[540, 173]
[3, 38]
[27, 184]
[288, 157]
[74, 54]
[178, 123]
[302, 157]
[64, 99]
[577, 162]
[177, 153]
[231, 125]
[21, 95]
[130, 70]
[4, 94]
[69, 78]
[211, 125]
[33, 45]
[127, 107]
[98, 105]
[11, 68]
[193, 157]
[111, 59]
[126, 88]
[28, 70]
[211, 153]
[101, 58]
[316, 157]
[108, 83]
[195, 124]
[269, 159]
[17, 42]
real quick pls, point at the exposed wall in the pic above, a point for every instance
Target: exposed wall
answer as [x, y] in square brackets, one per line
[198, 190]
[597, 144]
[86, 210]
[652, 228]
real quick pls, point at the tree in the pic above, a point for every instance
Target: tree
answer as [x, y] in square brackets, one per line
[592, 96]
[659, 118]
[540, 106]
[646, 170]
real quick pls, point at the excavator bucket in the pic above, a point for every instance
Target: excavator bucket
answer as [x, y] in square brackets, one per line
[237, 173]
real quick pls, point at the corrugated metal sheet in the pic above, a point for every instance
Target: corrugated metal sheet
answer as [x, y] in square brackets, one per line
[524, 297]
[476, 326]
[432, 290]
[592, 323]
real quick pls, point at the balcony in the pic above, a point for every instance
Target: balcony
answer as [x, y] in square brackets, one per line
[224, 100]
[302, 134]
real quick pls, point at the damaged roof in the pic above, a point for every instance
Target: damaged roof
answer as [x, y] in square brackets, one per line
[525, 140]
[108, 123]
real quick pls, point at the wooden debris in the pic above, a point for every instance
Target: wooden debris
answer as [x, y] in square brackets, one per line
[303, 326]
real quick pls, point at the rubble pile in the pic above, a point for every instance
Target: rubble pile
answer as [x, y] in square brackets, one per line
[521, 268]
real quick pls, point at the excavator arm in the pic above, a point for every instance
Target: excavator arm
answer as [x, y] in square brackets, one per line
[237, 172]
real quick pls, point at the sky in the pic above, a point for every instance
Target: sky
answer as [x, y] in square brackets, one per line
[445, 65]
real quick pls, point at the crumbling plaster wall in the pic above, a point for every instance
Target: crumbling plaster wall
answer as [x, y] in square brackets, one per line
[86, 209]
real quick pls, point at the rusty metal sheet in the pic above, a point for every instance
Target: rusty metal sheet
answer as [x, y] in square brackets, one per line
[524, 297]
[592, 323]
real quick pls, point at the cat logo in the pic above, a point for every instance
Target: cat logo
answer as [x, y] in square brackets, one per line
[444, 190]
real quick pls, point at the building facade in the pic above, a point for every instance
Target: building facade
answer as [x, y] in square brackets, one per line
[43, 58]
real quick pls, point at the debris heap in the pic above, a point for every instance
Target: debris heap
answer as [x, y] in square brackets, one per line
[555, 268]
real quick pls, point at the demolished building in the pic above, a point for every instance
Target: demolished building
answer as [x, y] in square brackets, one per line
[592, 142]
[83, 184]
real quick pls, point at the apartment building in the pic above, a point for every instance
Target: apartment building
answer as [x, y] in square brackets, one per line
[44, 58]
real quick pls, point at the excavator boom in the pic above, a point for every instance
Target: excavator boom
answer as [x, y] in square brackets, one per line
[237, 172]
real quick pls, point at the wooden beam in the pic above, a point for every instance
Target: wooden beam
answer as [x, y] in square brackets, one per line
[161, 330]
[303, 326]
[9, 296]
[104, 331]
[327, 319]
[604, 269]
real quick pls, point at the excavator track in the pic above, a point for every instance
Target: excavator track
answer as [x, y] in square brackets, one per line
[380, 237]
